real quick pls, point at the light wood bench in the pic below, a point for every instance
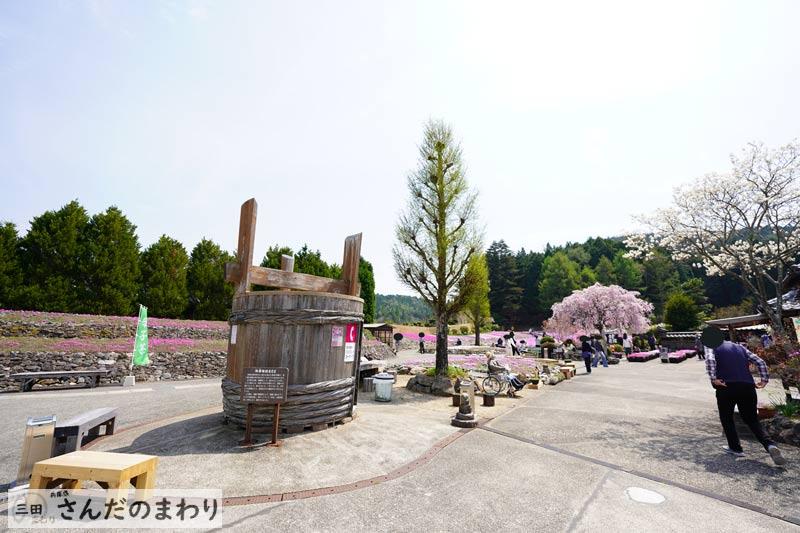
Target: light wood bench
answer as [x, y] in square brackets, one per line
[28, 379]
[71, 434]
[113, 471]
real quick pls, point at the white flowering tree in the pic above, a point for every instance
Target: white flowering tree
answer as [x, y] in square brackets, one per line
[745, 223]
[600, 308]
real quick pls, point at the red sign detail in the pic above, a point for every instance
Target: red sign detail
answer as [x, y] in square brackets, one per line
[351, 333]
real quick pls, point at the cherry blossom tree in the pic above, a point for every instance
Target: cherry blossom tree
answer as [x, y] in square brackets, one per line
[600, 308]
[745, 223]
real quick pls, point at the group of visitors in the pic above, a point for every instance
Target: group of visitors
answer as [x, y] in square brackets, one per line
[593, 352]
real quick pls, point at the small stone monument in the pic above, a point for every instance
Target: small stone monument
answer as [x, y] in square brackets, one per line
[465, 418]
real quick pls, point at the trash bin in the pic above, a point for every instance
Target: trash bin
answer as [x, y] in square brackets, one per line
[383, 387]
[37, 444]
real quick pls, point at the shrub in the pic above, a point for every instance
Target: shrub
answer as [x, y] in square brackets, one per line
[464, 330]
[789, 370]
[453, 372]
[616, 348]
[789, 410]
[548, 338]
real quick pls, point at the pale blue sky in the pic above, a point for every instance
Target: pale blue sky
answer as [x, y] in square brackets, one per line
[573, 116]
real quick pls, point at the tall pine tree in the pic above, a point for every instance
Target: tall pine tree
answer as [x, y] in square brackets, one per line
[51, 254]
[505, 296]
[210, 297]
[10, 271]
[110, 264]
[163, 266]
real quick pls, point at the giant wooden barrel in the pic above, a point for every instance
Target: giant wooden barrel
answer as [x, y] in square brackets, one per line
[294, 329]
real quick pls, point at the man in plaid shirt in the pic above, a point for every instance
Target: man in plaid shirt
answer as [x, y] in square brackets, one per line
[728, 368]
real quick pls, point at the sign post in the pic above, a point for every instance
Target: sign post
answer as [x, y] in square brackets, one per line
[263, 386]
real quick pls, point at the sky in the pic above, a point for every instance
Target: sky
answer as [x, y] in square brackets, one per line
[572, 116]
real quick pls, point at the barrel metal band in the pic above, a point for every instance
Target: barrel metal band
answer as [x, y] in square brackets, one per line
[291, 317]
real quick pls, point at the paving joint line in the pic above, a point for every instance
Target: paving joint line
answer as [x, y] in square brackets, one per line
[590, 499]
[423, 459]
[650, 477]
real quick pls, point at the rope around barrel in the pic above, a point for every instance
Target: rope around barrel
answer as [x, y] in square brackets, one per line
[294, 316]
[316, 403]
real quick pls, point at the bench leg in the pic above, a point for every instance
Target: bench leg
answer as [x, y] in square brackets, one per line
[38, 482]
[73, 443]
[110, 426]
[118, 490]
[144, 483]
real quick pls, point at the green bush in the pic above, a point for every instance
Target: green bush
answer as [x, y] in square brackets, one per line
[464, 330]
[616, 348]
[789, 410]
[547, 338]
[453, 372]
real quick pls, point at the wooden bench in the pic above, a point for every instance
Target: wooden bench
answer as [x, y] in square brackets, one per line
[114, 471]
[71, 434]
[28, 379]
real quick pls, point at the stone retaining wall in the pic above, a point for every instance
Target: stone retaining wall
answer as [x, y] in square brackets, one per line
[103, 331]
[163, 366]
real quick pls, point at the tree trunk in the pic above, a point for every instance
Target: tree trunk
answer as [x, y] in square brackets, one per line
[477, 334]
[441, 344]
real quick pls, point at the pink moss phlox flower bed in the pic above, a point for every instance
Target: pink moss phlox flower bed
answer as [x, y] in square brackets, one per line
[47, 344]
[476, 362]
[680, 355]
[75, 318]
[641, 357]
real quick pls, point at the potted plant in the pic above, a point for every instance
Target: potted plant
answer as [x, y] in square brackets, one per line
[548, 344]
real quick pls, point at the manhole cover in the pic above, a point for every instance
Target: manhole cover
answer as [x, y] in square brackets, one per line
[641, 495]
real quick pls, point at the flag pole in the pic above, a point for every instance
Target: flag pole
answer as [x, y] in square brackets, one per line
[139, 354]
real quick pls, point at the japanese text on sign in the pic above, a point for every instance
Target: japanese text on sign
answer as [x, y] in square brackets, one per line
[93, 508]
[350, 342]
[264, 385]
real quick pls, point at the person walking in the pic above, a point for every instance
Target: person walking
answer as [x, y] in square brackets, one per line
[651, 340]
[586, 353]
[699, 348]
[513, 343]
[627, 344]
[600, 353]
[728, 368]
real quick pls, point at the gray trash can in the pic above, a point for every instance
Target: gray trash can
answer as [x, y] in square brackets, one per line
[37, 445]
[383, 387]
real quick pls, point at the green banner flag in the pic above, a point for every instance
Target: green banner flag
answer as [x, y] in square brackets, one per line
[140, 356]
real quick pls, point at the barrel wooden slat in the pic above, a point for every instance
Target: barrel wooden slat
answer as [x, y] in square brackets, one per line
[292, 329]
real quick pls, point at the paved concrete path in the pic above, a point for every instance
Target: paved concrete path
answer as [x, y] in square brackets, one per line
[559, 461]
[146, 402]
[569, 458]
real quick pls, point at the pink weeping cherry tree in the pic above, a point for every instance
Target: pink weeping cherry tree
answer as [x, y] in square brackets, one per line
[600, 308]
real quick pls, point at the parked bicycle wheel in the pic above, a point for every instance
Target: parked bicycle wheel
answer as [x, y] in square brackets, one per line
[492, 386]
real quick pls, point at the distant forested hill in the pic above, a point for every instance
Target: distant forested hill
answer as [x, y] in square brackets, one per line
[400, 309]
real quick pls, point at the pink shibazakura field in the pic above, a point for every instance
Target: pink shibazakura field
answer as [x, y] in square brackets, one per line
[48, 344]
[7, 315]
[476, 362]
[487, 338]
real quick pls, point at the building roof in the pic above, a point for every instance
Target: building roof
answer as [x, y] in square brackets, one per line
[377, 325]
[739, 321]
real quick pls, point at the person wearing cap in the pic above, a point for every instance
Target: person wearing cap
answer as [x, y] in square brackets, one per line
[728, 368]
